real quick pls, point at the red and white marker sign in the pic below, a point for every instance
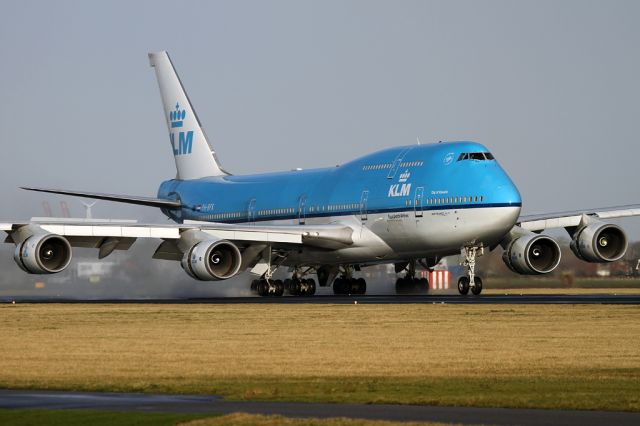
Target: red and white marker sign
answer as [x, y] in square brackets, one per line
[439, 280]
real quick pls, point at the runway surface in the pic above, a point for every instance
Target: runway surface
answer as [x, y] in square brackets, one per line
[211, 404]
[538, 299]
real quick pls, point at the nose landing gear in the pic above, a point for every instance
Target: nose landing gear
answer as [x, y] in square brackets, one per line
[472, 282]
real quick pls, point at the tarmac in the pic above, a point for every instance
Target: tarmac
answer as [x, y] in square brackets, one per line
[26, 399]
[511, 299]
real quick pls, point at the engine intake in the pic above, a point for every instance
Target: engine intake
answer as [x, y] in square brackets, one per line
[532, 254]
[599, 243]
[212, 260]
[43, 254]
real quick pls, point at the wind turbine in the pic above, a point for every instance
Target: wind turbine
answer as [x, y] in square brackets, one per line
[87, 208]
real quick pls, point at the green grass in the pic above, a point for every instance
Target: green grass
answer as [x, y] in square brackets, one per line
[109, 418]
[608, 392]
[91, 417]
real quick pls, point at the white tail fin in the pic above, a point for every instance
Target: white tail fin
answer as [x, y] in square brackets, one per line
[194, 156]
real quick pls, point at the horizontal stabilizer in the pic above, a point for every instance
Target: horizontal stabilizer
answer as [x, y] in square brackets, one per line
[129, 199]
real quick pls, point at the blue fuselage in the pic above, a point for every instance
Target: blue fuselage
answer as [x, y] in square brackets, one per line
[417, 178]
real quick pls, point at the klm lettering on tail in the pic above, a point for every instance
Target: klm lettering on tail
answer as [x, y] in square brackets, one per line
[185, 143]
[185, 139]
[400, 191]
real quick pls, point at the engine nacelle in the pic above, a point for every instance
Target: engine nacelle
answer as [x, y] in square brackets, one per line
[599, 243]
[212, 260]
[532, 254]
[43, 254]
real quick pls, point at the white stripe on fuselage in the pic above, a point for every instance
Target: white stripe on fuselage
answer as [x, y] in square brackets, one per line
[403, 235]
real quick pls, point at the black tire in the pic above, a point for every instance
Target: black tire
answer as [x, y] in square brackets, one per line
[287, 285]
[339, 286]
[423, 286]
[311, 287]
[463, 285]
[294, 287]
[354, 286]
[477, 288]
[279, 285]
[362, 286]
[263, 288]
[254, 287]
[401, 286]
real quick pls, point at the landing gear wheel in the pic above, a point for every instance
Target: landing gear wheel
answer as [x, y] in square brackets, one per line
[463, 285]
[310, 289]
[423, 286]
[339, 286]
[263, 288]
[361, 286]
[349, 286]
[295, 288]
[477, 288]
[279, 288]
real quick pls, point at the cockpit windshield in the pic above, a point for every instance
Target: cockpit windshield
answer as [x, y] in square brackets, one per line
[478, 156]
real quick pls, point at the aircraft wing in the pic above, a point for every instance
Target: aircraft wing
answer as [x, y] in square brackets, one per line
[569, 219]
[129, 199]
[120, 235]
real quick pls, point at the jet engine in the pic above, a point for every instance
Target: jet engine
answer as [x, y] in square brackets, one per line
[212, 260]
[43, 254]
[532, 254]
[599, 242]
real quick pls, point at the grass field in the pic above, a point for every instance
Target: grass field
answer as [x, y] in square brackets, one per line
[585, 357]
[108, 418]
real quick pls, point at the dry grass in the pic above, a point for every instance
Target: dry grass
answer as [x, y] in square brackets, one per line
[258, 420]
[552, 356]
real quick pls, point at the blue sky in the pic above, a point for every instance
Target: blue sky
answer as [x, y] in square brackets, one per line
[551, 87]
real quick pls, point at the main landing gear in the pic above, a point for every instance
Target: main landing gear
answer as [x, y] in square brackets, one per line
[264, 287]
[294, 286]
[410, 284]
[472, 282]
[347, 284]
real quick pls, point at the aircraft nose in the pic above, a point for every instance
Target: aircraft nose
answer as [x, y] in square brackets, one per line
[507, 192]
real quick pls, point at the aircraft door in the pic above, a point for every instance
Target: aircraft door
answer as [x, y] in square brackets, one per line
[363, 205]
[251, 211]
[301, 209]
[418, 200]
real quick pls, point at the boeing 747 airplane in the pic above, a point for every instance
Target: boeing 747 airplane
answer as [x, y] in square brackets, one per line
[408, 205]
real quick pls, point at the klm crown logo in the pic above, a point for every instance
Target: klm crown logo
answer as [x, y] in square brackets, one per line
[177, 116]
[185, 139]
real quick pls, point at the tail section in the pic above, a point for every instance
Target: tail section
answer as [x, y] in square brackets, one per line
[194, 156]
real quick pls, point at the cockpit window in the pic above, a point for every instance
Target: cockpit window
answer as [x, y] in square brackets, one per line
[478, 156]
